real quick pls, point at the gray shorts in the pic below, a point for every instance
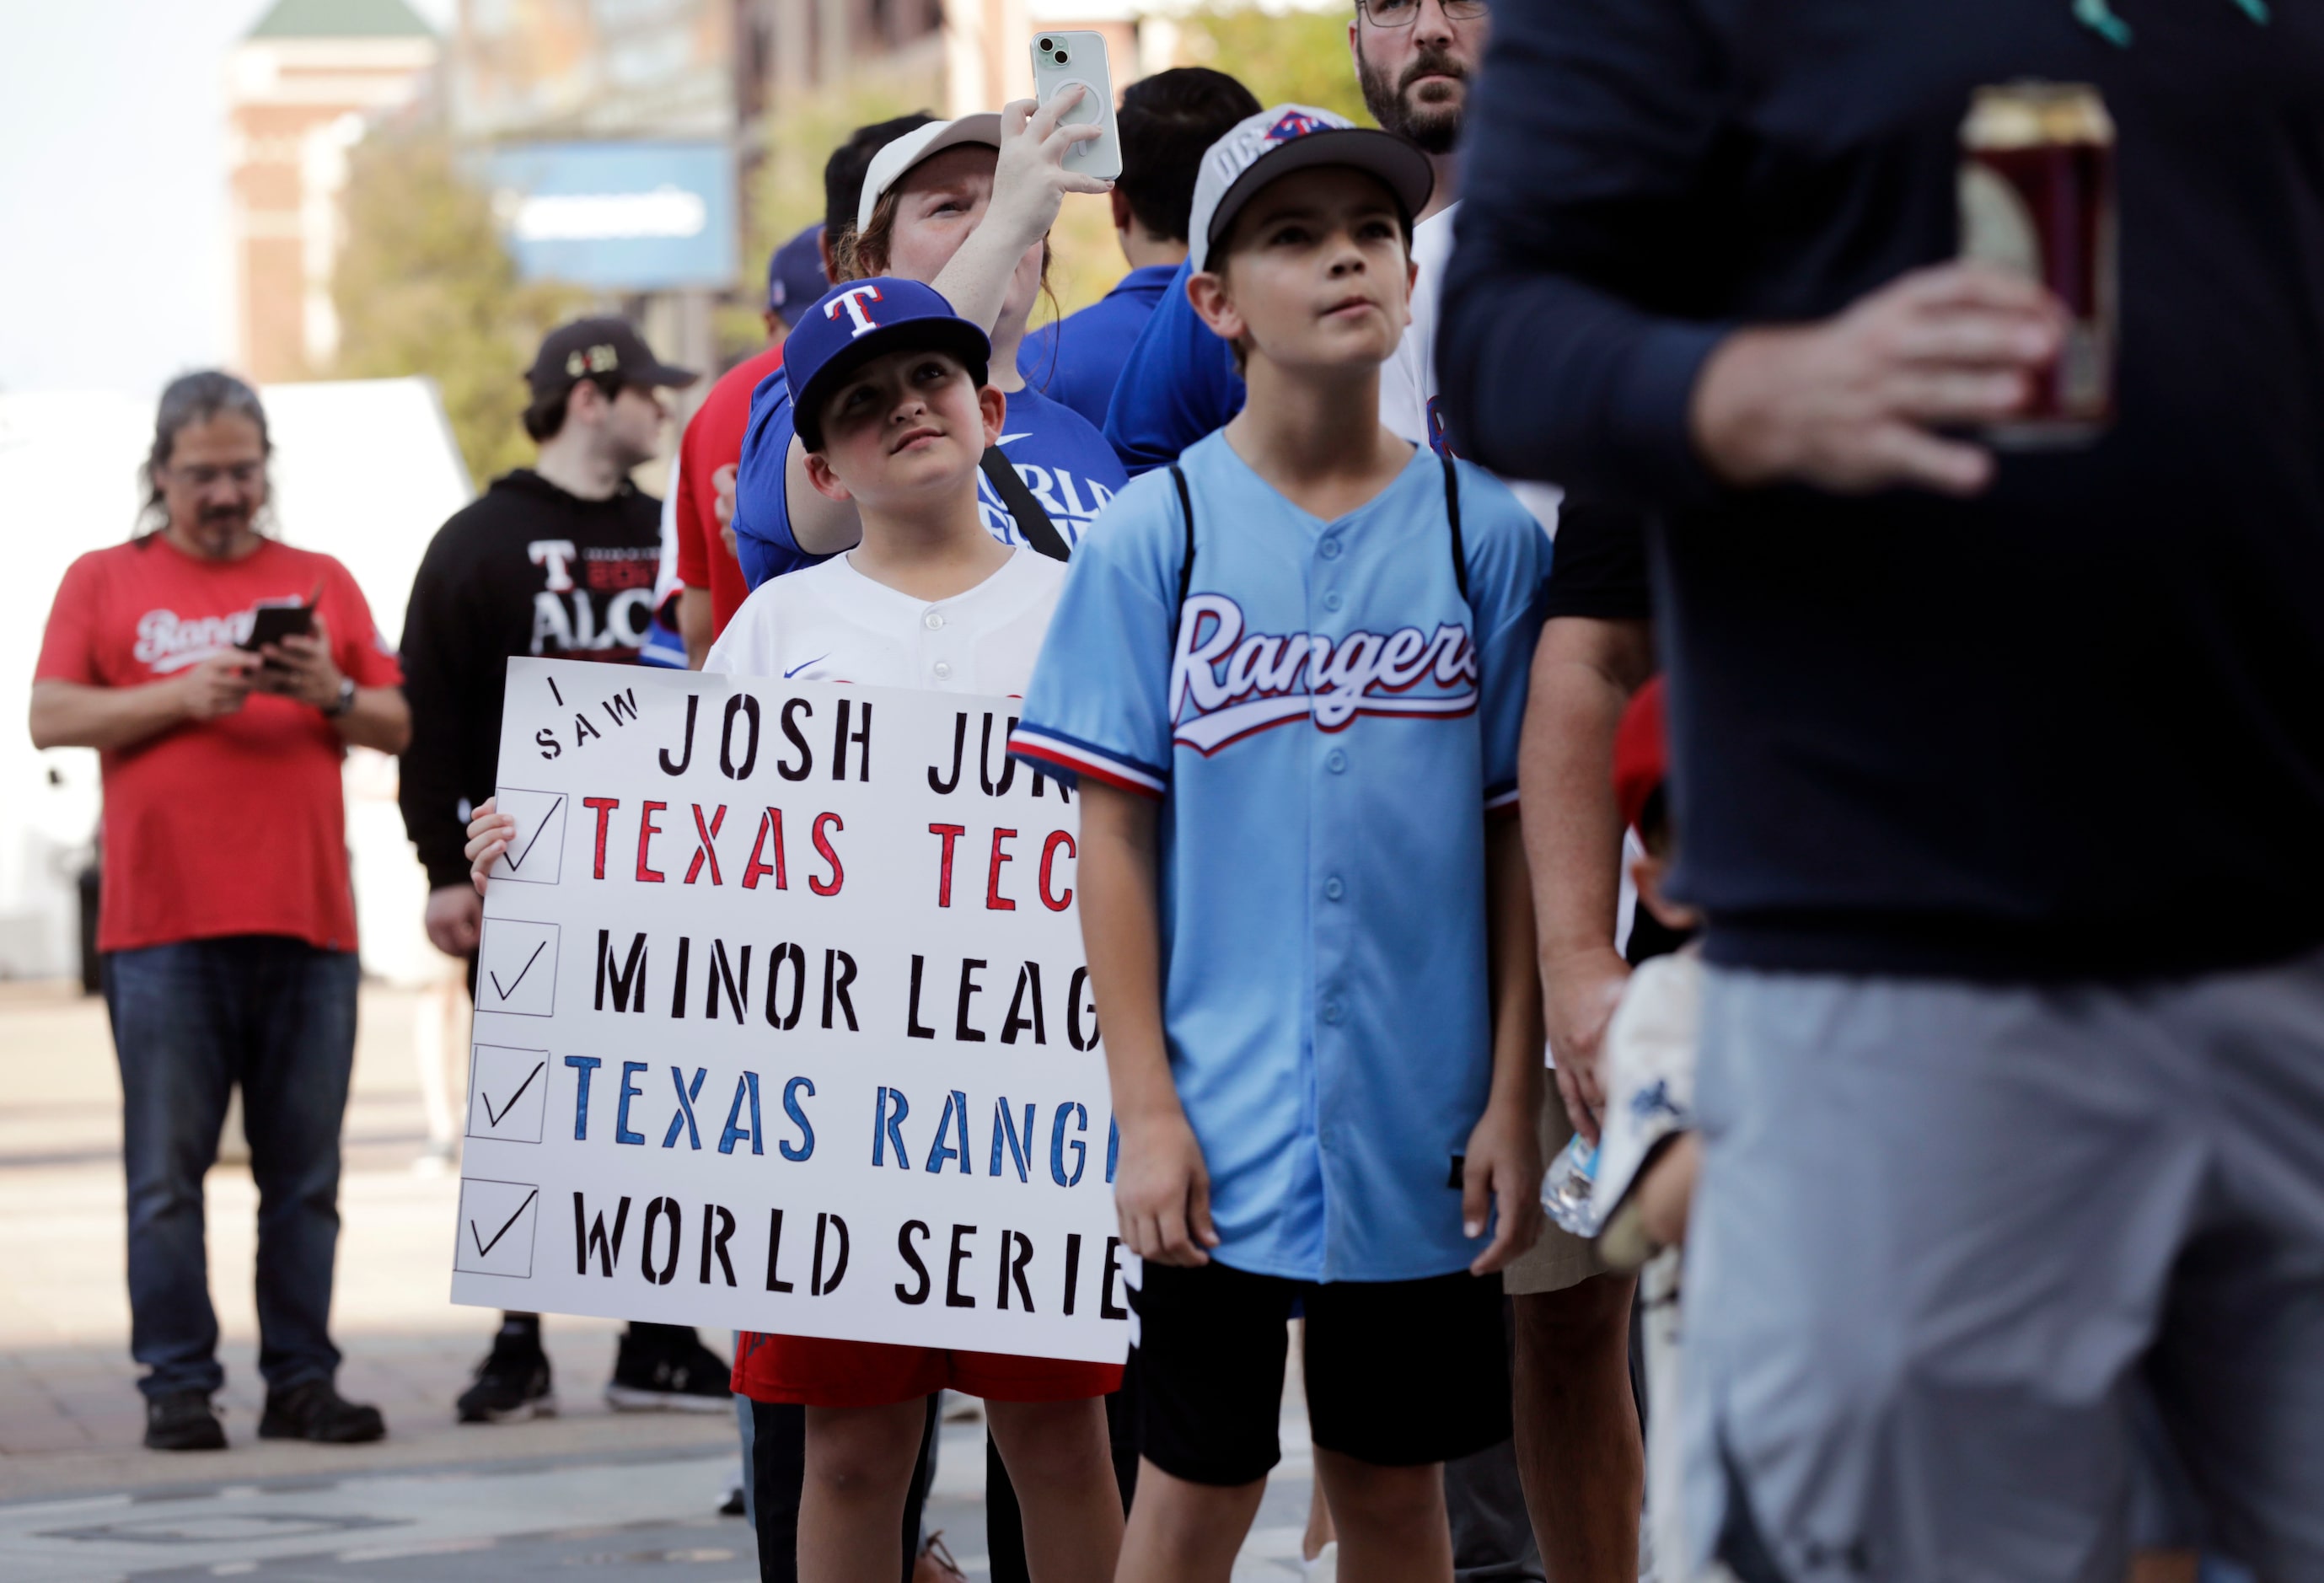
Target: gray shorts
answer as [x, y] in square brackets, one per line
[1944, 1230]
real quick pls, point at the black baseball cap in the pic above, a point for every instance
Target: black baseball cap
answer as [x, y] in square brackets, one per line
[571, 353]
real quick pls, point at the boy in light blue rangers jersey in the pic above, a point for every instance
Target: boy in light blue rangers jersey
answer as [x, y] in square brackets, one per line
[1289, 675]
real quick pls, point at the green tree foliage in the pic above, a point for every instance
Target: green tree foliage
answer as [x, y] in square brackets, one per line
[425, 286]
[1297, 57]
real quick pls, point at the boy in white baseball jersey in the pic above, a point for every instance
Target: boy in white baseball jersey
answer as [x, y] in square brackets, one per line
[895, 410]
[1289, 674]
[920, 603]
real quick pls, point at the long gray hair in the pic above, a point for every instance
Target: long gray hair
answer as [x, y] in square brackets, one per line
[190, 399]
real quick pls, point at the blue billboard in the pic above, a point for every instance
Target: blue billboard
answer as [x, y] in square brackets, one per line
[621, 217]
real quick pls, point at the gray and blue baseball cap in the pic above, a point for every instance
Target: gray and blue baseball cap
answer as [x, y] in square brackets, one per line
[1284, 138]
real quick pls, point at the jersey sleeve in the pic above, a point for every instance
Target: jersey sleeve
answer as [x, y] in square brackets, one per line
[1508, 565]
[1178, 384]
[763, 515]
[1601, 567]
[1099, 704]
[68, 643]
[357, 649]
[692, 499]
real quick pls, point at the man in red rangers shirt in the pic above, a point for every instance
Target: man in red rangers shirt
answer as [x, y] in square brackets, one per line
[227, 920]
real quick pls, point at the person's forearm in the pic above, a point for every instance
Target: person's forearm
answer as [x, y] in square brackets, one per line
[73, 714]
[1583, 674]
[820, 525]
[1516, 986]
[694, 625]
[379, 718]
[975, 281]
[1121, 937]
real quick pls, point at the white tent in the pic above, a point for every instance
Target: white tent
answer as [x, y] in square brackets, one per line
[365, 470]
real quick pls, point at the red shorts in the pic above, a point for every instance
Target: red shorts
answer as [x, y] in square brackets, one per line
[823, 1373]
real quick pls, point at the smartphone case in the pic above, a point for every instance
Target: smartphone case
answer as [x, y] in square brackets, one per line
[1061, 57]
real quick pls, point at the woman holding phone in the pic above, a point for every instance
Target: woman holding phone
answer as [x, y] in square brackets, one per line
[965, 206]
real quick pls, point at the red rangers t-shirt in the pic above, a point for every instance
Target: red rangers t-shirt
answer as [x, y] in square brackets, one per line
[236, 825]
[713, 439]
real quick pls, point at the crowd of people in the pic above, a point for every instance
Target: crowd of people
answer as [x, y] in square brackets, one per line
[1334, 555]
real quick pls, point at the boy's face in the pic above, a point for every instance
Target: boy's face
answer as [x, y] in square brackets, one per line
[904, 426]
[1313, 272]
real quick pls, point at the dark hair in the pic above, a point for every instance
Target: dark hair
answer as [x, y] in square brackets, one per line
[1168, 121]
[850, 162]
[187, 399]
[544, 418]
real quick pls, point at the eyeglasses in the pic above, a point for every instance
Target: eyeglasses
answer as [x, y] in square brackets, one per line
[1391, 14]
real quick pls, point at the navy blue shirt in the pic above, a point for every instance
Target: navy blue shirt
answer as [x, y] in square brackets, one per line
[1078, 359]
[2070, 728]
[1064, 461]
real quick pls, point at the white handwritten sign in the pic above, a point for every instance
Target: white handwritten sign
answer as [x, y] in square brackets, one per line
[781, 1022]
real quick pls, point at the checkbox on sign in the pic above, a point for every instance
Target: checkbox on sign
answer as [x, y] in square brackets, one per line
[497, 1222]
[516, 968]
[536, 854]
[508, 1094]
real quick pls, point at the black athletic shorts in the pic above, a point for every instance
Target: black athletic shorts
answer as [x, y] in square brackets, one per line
[1398, 1373]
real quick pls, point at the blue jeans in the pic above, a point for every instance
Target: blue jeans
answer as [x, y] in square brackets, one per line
[190, 1021]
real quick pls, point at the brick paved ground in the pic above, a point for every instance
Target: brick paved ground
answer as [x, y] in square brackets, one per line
[626, 1496]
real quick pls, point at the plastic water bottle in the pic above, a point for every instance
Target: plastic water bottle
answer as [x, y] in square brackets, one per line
[1569, 1187]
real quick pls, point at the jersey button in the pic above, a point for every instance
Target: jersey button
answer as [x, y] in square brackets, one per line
[1333, 889]
[1329, 549]
[943, 667]
[1332, 601]
[933, 620]
[1333, 1011]
[1336, 763]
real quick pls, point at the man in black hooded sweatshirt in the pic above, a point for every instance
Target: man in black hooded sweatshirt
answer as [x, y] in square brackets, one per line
[556, 560]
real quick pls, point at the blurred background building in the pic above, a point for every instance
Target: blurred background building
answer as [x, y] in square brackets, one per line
[403, 195]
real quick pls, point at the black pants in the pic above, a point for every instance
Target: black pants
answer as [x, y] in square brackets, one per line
[778, 1475]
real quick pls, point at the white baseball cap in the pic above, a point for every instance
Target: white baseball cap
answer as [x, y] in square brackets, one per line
[890, 164]
[1284, 138]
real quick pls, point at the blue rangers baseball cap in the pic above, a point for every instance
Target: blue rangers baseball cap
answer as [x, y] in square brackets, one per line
[858, 321]
[1284, 138]
[795, 277]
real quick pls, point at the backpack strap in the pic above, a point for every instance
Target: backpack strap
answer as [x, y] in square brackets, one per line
[1452, 516]
[1032, 521]
[1186, 513]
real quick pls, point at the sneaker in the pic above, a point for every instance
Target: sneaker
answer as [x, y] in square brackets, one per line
[183, 1421]
[511, 1384]
[934, 1563]
[317, 1412]
[688, 1378]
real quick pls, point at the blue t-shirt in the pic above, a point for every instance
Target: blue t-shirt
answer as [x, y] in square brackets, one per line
[1077, 359]
[1178, 384]
[1066, 464]
[1325, 737]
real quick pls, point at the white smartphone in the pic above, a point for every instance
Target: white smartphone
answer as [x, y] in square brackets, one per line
[1061, 59]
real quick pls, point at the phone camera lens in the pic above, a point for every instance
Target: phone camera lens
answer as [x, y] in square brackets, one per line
[1047, 45]
[1061, 57]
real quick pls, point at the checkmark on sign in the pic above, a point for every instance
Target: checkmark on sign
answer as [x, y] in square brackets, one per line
[516, 969]
[508, 988]
[484, 1248]
[536, 850]
[498, 1224]
[508, 1094]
